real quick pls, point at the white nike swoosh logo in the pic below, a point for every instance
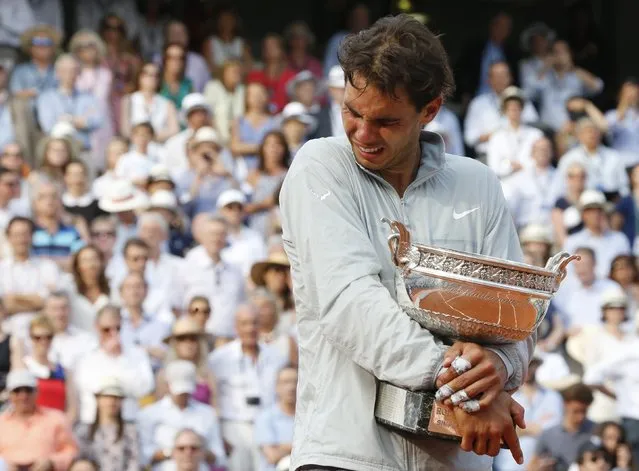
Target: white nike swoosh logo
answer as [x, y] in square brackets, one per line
[457, 215]
[325, 195]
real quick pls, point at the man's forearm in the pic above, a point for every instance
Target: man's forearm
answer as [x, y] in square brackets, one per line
[23, 303]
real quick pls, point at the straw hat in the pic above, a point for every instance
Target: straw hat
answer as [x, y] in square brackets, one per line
[185, 325]
[26, 40]
[123, 196]
[275, 259]
[110, 386]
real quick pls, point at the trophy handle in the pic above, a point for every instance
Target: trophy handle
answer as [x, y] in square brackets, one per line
[398, 242]
[558, 264]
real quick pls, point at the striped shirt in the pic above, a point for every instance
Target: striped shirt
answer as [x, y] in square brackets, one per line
[62, 243]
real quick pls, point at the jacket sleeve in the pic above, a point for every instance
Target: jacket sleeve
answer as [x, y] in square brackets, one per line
[332, 254]
[501, 240]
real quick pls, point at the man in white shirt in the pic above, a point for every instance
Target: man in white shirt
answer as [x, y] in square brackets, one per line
[510, 147]
[9, 197]
[160, 422]
[605, 243]
[578, 300]
[188, 454]
[128, 363]
[446, 124]
[25, 281]
[526, 192]
[246, 246]
[69, 343]
[605, 169]
[245, 371]
[484, 115]
[205, 273]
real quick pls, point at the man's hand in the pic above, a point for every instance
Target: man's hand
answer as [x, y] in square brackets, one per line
[483, 431]
[42, 465]
[486, 376]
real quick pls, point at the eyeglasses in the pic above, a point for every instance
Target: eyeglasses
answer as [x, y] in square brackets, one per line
[12, 154]
[109, 329]
[581, 176]
[179, 57]
[188, 447]
[138, 258]
[11, 183]
[39, 338]
[197, 310]
[100, 234]
[113, 27]
[186, 338]
[23, 389]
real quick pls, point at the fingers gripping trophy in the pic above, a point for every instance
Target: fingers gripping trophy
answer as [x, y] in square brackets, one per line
[470, 300]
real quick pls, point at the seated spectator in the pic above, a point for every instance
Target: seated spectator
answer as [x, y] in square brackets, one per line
[611, 435]
[624, 460]
[147, 105]
[240, 402]
[159, 180]
[204, 273]
[91, 287]
[246, 246]
[560, 80]
[605, 243]
[329, 117]
[566, 219]
[109, 440]
[25, 280]
[67, 104]
[300, 41]
[132, 260]
[484, 116]
[31, 436]
[536, 40]
[197, 113]
[227, 98]
[273, 161]
[199, 310]
[544, 409]
[197, 71]
[128, 363]
[623, 130]
[297, 126]
[53, 157]
[69, 343]
[13, 157]
[9, 197]
[51, 237]
[603, 166]
[78, 200]
[175, 85]
[274, 330]
[446, 124]
[578, 108]
[226, 42]
[272, 273]
[37, 75]
[624, 271]
[275, 72]
[274, 425]
[249, 130]
[103, 231]
[188, 454]
[116, 148]
[160, 422]
[305, 88]
[141, 328]
[165, 204]
[510, 148]
[560, 445]
[189, 342]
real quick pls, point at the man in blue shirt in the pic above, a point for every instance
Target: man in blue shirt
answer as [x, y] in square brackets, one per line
[66, 103]
[274, 425]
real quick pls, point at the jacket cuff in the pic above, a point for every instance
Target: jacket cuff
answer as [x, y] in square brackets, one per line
[514, 368]
[435, 368]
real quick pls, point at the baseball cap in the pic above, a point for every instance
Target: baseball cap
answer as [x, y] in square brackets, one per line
[592, 199]
[181, 377]
[336, 77]
[21, 379]
[194, 101]
[296, 110]
[614, 297]
[206, 134]
[535, 233]
[231, 196]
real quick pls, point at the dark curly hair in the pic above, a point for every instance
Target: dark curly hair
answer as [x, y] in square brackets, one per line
[399, 51]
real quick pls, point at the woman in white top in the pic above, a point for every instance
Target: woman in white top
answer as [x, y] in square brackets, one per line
[226, 98]
[146, 104]
[226, 43]
[91, 285]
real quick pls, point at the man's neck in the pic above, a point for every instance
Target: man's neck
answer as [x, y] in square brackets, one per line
[588, 282]
[515, 124]
[66, 88]
[41, 64]
[235, 229]
[250, 350]
[154, 253]
[572, 428]
[287, 407]
[401, 178]
[214, 256]
[136, 314]
[180, 402]
[50, 223]
[591, 149]
[26, 414]
[76, 191]
[20, 257]
[597, 231]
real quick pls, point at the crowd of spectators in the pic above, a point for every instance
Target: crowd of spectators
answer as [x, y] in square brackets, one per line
[146, 309]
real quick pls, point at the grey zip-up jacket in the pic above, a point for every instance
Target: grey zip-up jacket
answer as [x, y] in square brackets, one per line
[352, 332]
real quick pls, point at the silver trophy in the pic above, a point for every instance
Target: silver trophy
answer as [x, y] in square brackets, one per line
[461, 296]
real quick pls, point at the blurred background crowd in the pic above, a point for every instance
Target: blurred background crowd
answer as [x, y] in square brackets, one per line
[146, 313]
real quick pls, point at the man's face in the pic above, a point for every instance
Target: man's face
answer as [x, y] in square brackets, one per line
[561, 54]
[9, 186]
[590, 136]
[214, 237]
[305, 92]
[383, 131]
[19, 236]
[103, 236]
[109, 327]
[233, 213]
[512, 110]
[198, 118]
[542, 152]
[42, 53]
[575, 413]
[592, 218]
[246, 325]
[152, 234]
[57, 310]
[47, 201]
[500, 28]
[499, 77]
[23, 399]
[585, 268]
[287, 385]
[141, 136]
[12, 157]
[187, 452]
[133, 290]
[136, 258]
[67, 72]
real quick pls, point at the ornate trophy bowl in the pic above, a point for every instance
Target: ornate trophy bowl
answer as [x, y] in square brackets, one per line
[458, 295]
[461, 296]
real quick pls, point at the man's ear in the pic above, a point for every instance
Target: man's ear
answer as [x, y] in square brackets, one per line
[428, 113]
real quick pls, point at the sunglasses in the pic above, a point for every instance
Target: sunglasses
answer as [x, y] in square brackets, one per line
[188, 447]
[23, 389]
[197, 310]
[12, 154]
[85, 45]
[108, 330]
[139, 258]
[185, 338]
[117, 28]
[39, 338]
[99, 234]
